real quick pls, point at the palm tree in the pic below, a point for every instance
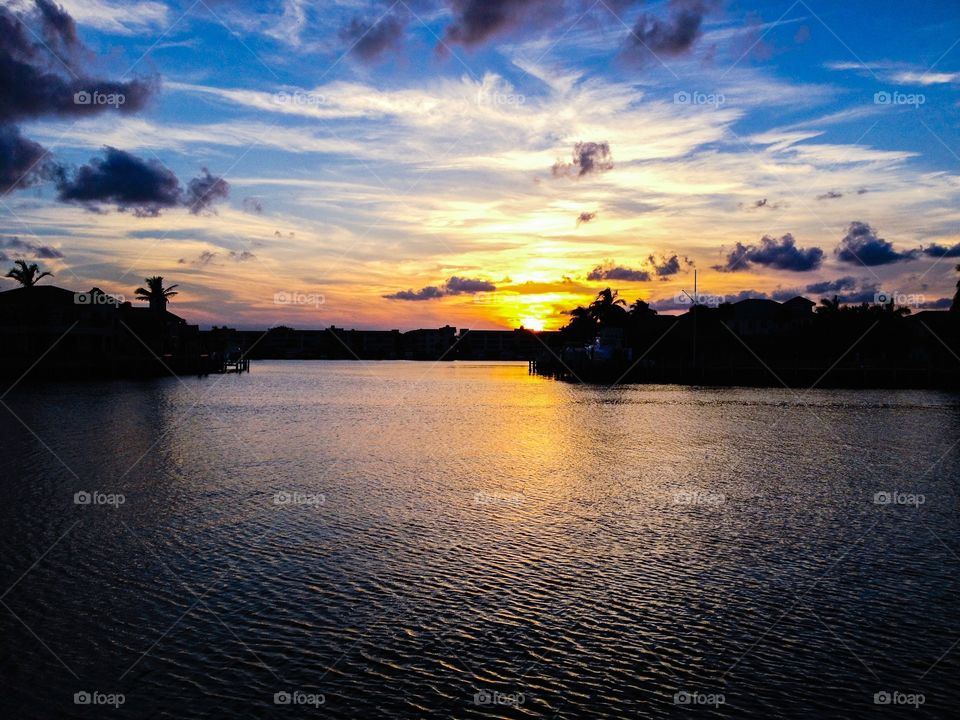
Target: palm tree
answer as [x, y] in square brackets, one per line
[27, 275]
[955, 307]
[155, 293]
[641, 310]
[607, 305]
[828, 306]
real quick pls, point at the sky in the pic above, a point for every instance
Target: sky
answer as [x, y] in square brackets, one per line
[480, 163]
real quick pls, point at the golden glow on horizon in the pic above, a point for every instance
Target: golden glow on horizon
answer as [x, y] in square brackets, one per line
[530, 323]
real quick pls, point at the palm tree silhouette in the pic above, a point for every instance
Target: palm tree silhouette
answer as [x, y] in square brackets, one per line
[828, 306]
[640, 309]
[955, 307]
[155, 293]
[27, 275]
[606, 304]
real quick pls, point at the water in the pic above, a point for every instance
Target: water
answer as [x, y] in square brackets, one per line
[448, 530]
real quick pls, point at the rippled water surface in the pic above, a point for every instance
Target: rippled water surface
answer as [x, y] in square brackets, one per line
[413, 540]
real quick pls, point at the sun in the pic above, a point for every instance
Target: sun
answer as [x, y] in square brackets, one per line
[533, 323]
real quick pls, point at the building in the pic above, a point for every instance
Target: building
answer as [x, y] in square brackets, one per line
[57, 332]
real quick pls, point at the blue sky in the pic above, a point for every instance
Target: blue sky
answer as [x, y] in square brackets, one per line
[490, 164]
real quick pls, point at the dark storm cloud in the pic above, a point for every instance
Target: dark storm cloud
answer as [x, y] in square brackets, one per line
[454, 286]
[832, 286]
[475, 21]
[588, 158]
[369, 39]
[861, 246]
[585, 217]
[664, 267]
[131, 183]
[941, 251]
[27, 249]
[42, 74]
[653, 37]
[35, 82]
[782, 254]
[618, 272]
[22, 162]
[124, 180]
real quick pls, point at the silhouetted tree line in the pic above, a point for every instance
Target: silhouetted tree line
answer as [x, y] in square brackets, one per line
[881, 345]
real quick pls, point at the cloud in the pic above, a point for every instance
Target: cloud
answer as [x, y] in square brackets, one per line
[41, 70]
[585, 217]
[944, 303]
[29, 249]
[861, 246]
[667, 266]
[764, 203]
[22, 162]
[203, 191]
[866, 294]
[832, 286]
[610, 271]
[124, 180]
[43, 74]
[459, 286]
[476, 21]
[653, 37]
[941, 251]
[127, 18]
[831, 195]
[242, 256]
[782, 254]
[454, 286]
[747, 295]
[369, 40]
[131, 183]
[908, 77]
[428, 293]
[253, 205]
[588, 158]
